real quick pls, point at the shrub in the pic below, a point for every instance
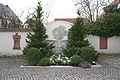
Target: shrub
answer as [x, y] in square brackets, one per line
[46, 53]
[25, 51]
[71, 51]
[44, 62]
[33, 56]
[89, 54]
[75, 60]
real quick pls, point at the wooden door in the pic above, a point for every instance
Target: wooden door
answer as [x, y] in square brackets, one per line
[103, 42]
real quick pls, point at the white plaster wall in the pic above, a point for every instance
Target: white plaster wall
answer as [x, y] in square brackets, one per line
[6, 40]
[55, 24]
[94, 41]
[113, 44]
[6, 43]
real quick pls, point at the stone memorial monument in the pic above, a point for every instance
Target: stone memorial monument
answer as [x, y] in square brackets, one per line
[57, 33]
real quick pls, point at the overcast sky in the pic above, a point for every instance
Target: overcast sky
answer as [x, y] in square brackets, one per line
[58, 8]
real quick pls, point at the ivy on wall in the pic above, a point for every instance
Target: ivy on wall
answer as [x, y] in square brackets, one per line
[107, 26]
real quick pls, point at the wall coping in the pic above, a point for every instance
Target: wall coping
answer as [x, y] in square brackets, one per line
[15, 30]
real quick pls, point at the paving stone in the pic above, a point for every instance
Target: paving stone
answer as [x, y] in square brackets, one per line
[10, 70]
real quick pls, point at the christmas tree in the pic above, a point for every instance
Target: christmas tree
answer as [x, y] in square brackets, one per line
[77, 34]
[37, 39]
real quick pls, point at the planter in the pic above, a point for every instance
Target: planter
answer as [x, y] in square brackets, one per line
[56, 66]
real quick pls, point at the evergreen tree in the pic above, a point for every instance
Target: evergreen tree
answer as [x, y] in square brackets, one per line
[37, 39]
[76, 34]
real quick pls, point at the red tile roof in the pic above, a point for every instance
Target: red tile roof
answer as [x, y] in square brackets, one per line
[115, 2]
[66, 19]
[72, 20]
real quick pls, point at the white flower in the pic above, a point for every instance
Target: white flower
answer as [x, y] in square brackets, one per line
[53, 61]
[66, 57]
[59, 57]
[68, 60]
[50, 59]
[64, 61]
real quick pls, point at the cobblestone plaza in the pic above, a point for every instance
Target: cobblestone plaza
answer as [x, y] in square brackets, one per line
[10, 70]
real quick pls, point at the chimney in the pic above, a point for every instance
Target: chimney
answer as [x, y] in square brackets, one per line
[6, 5]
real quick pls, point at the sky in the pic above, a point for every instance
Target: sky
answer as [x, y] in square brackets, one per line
[56, 8]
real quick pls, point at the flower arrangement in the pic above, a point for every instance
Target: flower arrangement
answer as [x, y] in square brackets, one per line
[59, 59]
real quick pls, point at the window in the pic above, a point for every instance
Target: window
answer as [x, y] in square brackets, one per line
[16, 39]
[103, 42]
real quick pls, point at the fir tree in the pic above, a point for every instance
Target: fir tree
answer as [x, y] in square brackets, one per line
[37, 39]
[76, 34]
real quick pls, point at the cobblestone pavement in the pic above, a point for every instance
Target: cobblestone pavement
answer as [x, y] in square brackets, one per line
[10, 70]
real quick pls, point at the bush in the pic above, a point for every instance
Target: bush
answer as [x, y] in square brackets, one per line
[33, 56]
[71, 51]
[25, 51]
[46, 53]
[75, 60]
[44, 62]
[89, 54]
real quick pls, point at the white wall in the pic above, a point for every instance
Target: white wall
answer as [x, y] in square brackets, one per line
[6, 40]
[7, 43]
[113, 45]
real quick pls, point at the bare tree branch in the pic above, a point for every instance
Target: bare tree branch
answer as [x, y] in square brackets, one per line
[91, 8]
